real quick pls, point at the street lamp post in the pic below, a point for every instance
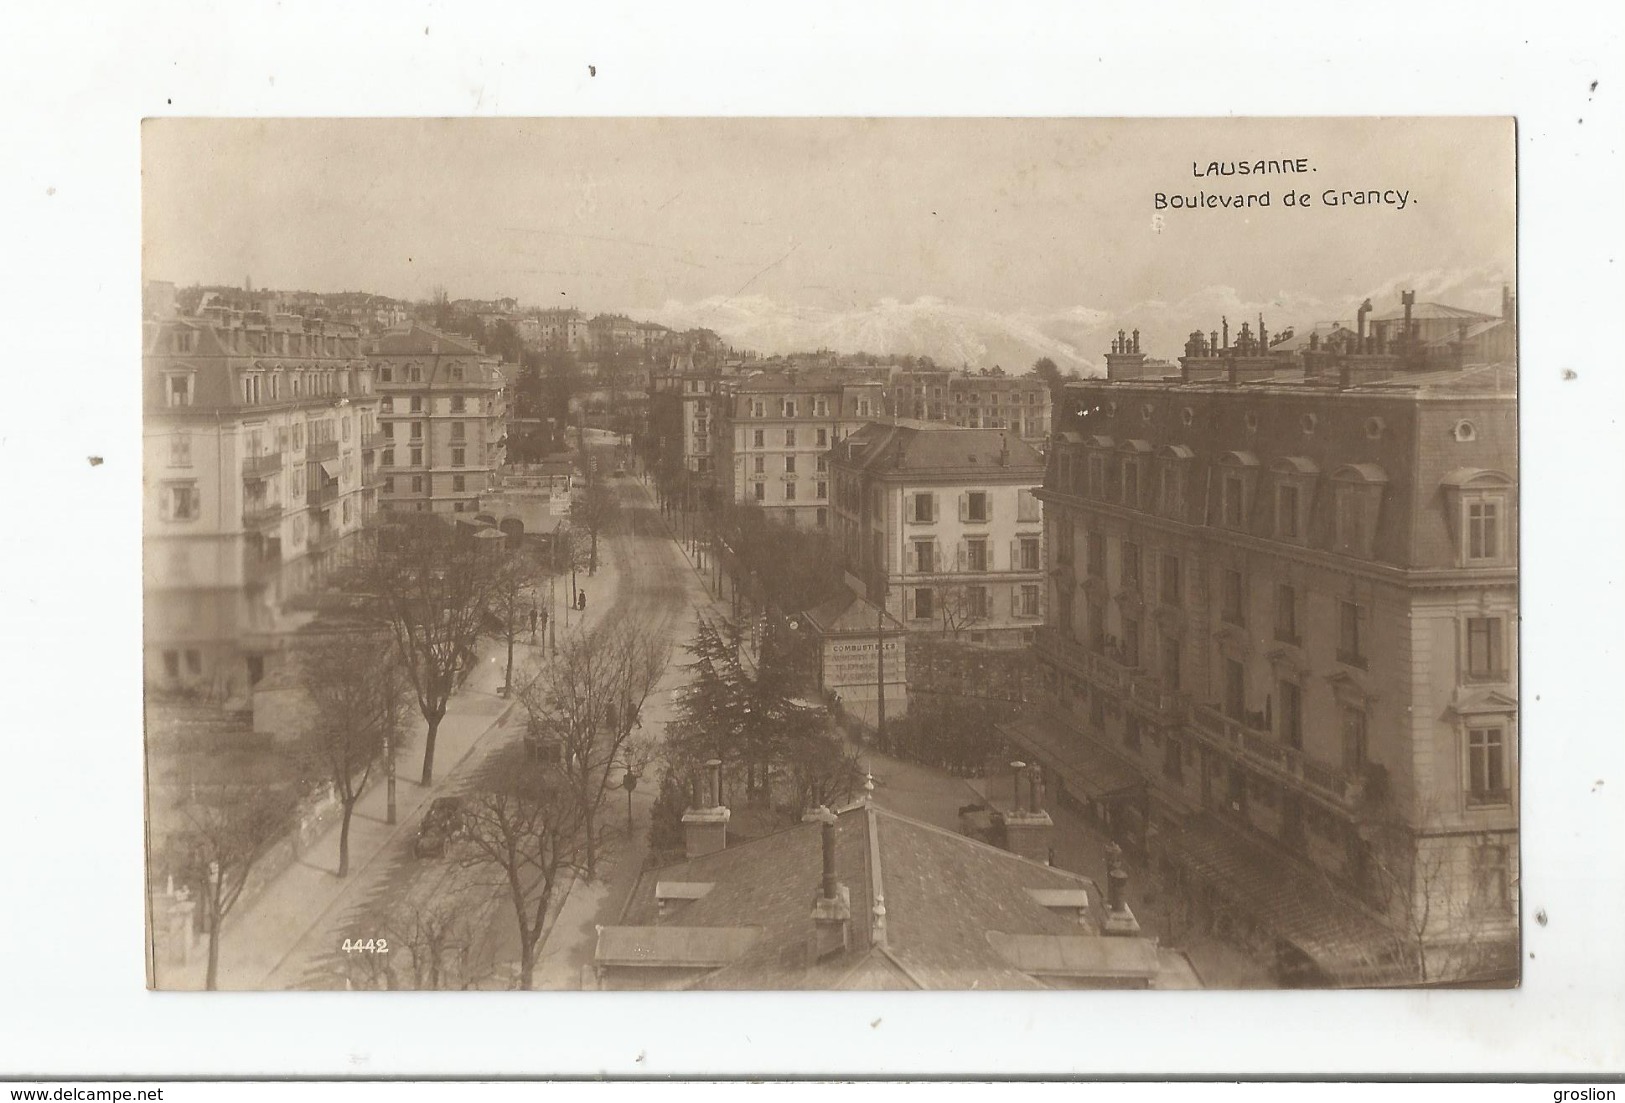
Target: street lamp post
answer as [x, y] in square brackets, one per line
[629, 781]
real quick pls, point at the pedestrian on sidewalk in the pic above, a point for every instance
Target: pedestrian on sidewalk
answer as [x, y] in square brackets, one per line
[533, 623]
[581, 601]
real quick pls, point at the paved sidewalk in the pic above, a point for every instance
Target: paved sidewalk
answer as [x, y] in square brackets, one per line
[259, 940]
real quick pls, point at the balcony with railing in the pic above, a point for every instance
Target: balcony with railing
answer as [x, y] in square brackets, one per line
[371, 441]
[323, 450]
[372, 477]
[1263, 751]
[322, 494]
[1112, 675]
[258, 467]
[259, 514]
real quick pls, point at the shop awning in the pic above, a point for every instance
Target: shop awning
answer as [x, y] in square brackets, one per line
[1291, 902]
[1084, 767]
[330, 468]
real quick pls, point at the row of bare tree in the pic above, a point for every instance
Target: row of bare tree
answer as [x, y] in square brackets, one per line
[422, 592]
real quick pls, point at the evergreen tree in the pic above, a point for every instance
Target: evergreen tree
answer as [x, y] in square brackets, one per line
[710, 708]
[666, 820]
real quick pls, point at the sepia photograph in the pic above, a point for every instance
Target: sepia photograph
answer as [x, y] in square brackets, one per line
[831, 554]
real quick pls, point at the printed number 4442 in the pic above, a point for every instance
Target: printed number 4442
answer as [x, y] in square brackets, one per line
[365, 946]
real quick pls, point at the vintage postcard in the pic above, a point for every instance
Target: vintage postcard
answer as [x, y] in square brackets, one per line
[830, 554]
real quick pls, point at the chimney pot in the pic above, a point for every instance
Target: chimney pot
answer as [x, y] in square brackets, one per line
[705, 830]
[829, 886]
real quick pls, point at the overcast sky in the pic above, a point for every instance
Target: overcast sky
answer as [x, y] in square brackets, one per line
[980, 238]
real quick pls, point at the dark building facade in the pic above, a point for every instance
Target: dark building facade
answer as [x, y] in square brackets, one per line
[1281, 642]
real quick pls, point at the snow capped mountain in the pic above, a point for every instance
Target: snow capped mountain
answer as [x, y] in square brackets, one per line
[1076, 338]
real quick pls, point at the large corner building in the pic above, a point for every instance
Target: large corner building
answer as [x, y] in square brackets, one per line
[1281, 638]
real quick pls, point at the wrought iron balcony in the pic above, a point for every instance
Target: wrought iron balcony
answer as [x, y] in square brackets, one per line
[258, 467]
[261, 514]
[1108, 673]
[1263, 751]
[323, 450]
[323, 494]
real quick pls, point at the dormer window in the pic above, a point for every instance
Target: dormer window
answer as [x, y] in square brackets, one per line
[1240, 470]
[1131, 471]
[1294, 484]
[1173, 466]
[1483, 530]
[1478, 502]
[1358, 490]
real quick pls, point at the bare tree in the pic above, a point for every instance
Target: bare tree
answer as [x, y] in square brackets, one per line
[225, 834]
[588, 699]
[432, 939]
[1446, 927]
[431, 583]
[358, 692]
[512, 600]
[960, 605]
[524, 824]
[822, 772]
[592, 511]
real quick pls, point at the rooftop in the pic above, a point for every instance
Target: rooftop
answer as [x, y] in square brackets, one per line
[958, 914]
[417, 339]
[1423, 312]
[938, 447]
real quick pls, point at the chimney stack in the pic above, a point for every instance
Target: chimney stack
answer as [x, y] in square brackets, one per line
[828, 883]
[1119, 919]
[1408, 298]
[705, 829]
[1027, 827]
[832, 911]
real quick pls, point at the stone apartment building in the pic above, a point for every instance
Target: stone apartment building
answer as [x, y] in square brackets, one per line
[1281, 641]
[943, 526]
[974, 401]
[774, 430]
[682, 416]
[259, 436]
[443, 419]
